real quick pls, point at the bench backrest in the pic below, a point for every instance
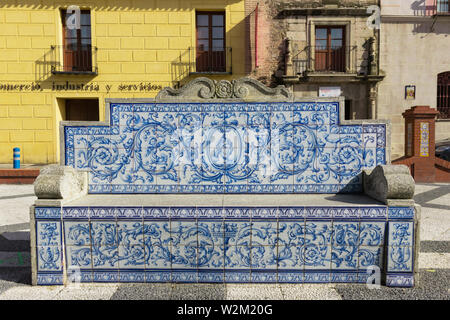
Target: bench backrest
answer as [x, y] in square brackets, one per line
[225, 147]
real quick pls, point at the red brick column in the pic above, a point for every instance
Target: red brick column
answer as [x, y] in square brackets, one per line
[420, 143]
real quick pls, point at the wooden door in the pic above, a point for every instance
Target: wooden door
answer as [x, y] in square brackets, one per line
[330, 49]
[210, 47]
[77, 49]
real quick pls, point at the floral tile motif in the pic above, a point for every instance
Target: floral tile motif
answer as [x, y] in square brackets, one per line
[48, 233]
[401, 233]
[264, 233]
[370, 256]
[104, 233]
[131, 256]
[344, 258]
[213, 148]
[372, 233]
[237, 276]
[400, 259]
[49, 258]
[79, 257]
[290, 276]
[237, 257]
[263, 257]
[131, 276]
[105, 257]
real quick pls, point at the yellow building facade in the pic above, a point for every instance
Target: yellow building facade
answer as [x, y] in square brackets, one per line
[130, 49]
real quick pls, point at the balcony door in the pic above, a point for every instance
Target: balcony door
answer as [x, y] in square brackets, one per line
[330, 49]
[77, 49]
[443, 95]
[210, 42]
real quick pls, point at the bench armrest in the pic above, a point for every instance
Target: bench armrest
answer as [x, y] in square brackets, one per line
[389, 182]
[60, 182]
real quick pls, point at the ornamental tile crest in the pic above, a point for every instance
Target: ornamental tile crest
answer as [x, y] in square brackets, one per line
[233, 138]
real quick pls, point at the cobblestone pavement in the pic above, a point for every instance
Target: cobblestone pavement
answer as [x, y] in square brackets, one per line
[15, 273]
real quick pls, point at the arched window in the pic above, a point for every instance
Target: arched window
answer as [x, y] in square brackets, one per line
[443, 95]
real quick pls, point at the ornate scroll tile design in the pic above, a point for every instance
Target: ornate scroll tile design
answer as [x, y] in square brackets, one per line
[225, 147]
[186, 244]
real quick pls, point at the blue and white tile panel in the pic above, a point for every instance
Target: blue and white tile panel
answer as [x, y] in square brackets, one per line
[231, 244]
[225, 148]
[49, 250]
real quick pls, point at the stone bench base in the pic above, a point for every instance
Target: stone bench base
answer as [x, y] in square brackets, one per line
[222, 238]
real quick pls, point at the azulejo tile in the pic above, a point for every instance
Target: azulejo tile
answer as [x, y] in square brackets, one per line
[369, 257]
[103, 233]
[77, 233]
[237, 233]
[105, 257]
[263, 257]
[401, 233]
[211, 257]
[400, 280]
[379, 212]
[401, 212]
[48, 279]
[400, 259]
[264, 233]
[141, 141]
[75, 212]
[131, 256]
[47, 213]
[102, 213]
[345, 233]
[317, 277]
[79, 257]
[184, 276]
[372, 233]
[291, 232]
[158, 276]
[184, 257]
[48, 233]
[210, 232]
[237, 276]
[290, 276]
[263, 277]
[344, 258]
[184, 232]
[157, 233]
[343, 276]
[158, 256]
[130, 233]
[49, 258]
[208, 276]
[131, 276]
[105, 276]
[290, 257]
[237, 257]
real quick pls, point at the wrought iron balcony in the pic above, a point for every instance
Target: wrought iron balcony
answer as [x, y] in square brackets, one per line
[330, 60]
[210, 60]
[442, 7]
[74, 59]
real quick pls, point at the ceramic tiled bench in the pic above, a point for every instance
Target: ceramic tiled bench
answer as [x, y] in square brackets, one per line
[224, 182]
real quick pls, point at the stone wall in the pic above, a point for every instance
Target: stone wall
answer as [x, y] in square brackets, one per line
[412, 53]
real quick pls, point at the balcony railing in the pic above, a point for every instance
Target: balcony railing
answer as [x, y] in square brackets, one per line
[440, 7]
[210, 60]
[340, 60]
[74, 59]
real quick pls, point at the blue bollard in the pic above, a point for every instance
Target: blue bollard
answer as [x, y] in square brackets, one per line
[16, 164]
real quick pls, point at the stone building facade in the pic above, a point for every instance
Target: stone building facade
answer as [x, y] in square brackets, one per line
[414, 53]
[326, 48]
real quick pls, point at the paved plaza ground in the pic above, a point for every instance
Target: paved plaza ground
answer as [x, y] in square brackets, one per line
[15, 270]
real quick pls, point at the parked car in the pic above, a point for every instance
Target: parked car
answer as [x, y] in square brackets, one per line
[443, 149]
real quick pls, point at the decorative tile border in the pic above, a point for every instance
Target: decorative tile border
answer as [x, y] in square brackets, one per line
[47, 213]
[400, 280]
[49, 279]
[401, 213]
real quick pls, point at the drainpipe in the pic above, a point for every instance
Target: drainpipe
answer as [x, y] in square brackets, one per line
[256, 36]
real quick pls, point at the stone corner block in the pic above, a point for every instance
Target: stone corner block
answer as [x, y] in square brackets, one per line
[389, 182]
[60, 182]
